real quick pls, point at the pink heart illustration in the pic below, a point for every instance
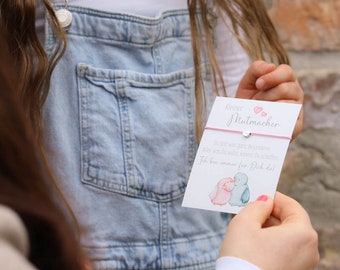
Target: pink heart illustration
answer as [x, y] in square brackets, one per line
[263, 114]
[258, 109]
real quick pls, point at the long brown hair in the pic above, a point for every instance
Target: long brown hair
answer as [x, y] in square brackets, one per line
[18, 17]
[252, 27]
[26, 184]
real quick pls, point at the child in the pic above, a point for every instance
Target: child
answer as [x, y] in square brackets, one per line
[126, 106]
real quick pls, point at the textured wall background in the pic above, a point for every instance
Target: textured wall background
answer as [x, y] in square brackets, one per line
[310, 30]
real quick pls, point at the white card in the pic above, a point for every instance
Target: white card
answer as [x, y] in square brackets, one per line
[241, 153]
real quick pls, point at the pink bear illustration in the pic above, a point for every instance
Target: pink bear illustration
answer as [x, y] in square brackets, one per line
[222, 192]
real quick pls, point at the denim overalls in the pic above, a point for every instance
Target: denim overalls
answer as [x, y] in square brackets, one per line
[120, 132]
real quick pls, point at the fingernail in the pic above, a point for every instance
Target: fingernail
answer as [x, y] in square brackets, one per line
[262, 198]
[260, 83]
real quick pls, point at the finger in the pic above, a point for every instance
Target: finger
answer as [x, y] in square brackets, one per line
[287, 209]
[281, 74]
[299, 125]
[256, 213]
[87, 265]
[271, 221]
[285, 92]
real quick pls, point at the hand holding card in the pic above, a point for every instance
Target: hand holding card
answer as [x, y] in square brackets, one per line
[241, 153]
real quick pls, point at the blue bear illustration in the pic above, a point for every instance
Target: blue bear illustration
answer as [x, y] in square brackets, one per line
[240, 194]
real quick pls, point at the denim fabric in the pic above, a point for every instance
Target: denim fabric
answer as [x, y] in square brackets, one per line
[120, 131]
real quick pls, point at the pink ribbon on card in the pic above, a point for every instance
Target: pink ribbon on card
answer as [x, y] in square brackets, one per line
[247, 133]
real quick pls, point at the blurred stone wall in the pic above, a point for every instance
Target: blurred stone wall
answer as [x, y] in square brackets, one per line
[310, 30]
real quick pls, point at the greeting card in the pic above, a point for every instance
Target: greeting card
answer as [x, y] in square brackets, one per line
[241, 153]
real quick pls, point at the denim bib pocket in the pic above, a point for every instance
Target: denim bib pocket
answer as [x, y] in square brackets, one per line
[137, 131]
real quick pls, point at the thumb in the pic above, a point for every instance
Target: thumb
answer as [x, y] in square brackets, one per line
[247, 86]
[257, 212]
[247, 223]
